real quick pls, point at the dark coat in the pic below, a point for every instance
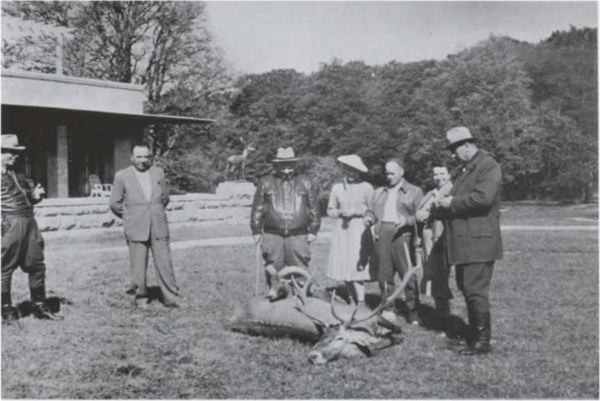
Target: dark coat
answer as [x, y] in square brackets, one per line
[472, 224]
[278, 212]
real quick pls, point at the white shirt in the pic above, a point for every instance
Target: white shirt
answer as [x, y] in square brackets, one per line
[390, 214]
[144, 180]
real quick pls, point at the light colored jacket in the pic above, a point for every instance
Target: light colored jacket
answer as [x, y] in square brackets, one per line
[141, 216]
[409, 198]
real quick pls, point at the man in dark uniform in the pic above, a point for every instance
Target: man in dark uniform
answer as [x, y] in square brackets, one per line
[22, 243]
[285, 219]
[472, 231]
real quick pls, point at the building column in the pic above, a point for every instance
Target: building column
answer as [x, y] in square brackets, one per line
[122, 151]
[58, 163]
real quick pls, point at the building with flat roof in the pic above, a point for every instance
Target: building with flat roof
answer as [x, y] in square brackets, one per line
[75, 127]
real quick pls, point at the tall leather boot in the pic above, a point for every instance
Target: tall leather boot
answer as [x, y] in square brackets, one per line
[484, 335]
[461, 339]
[40, 309]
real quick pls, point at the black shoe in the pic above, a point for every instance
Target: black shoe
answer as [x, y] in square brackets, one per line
[9, 313]
[413, 318]
[478, 348]
[131, 290]
[41, 311]
[455, 343]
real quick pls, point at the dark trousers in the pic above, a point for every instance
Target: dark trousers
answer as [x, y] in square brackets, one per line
[22, 246]
[391, 259]
[473, 280]
[439, 272]
[280, 251]
[161, 254]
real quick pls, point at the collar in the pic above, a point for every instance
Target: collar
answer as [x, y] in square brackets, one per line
[398, 187]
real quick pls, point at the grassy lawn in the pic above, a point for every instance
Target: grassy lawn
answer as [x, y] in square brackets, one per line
[545, 333]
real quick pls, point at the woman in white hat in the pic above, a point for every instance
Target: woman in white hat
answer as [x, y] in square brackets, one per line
[349, 253]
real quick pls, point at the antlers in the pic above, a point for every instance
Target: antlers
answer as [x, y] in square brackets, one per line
[384, 302]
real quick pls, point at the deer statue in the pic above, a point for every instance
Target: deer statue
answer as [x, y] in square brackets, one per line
[236, 164]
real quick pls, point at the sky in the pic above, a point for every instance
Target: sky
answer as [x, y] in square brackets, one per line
[258, 36]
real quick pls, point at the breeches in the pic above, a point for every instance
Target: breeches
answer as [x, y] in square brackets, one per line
[281, 251]
[391, 258]
[473, 279]
[161, 255]
[22, 245]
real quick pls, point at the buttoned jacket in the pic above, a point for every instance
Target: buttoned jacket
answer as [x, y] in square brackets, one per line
[472, 223]
[141, 216]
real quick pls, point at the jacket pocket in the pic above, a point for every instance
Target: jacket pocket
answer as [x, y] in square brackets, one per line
[480, 227]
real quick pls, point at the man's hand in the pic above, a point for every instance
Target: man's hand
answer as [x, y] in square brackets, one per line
[311, 238]
[422, 215]
[401, 222]
[37, 192]
[257, 238]
[444, 203]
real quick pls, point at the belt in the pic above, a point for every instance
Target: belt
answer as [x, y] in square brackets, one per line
[404, 230]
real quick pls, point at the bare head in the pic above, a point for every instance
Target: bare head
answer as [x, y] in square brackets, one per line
[393, 172]
[141, 157]
[441, 175]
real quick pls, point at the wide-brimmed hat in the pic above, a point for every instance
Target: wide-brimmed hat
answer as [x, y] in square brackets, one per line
[457, 136]
[11, 142]
[353, 161]
[285, 155]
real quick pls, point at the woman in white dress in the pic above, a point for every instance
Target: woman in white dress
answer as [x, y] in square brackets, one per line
[348, 200]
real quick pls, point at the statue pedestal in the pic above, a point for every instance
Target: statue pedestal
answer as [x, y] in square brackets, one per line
[236, 189]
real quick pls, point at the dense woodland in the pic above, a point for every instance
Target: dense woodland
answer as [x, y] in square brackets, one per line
[533, 105]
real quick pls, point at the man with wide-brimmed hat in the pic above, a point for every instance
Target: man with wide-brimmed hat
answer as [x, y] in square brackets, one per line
[471, 215]
[22, 243]
[285, 218]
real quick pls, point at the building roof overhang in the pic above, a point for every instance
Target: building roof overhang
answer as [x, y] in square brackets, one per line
[137, 118]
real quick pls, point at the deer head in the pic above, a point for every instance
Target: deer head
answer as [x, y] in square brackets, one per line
[356, 336]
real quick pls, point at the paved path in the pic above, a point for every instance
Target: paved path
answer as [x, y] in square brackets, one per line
[322, 238]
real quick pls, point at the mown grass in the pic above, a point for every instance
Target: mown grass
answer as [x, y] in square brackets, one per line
[545, 336]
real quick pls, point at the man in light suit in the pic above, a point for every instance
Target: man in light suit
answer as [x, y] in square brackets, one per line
[139, 197]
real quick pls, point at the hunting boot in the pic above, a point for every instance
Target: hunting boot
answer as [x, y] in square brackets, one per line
[484, 334]
[459, 341]
[39, 308]
[9, 313]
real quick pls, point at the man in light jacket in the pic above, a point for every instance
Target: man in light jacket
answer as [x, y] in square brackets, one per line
[139, 196]
[473, 243]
